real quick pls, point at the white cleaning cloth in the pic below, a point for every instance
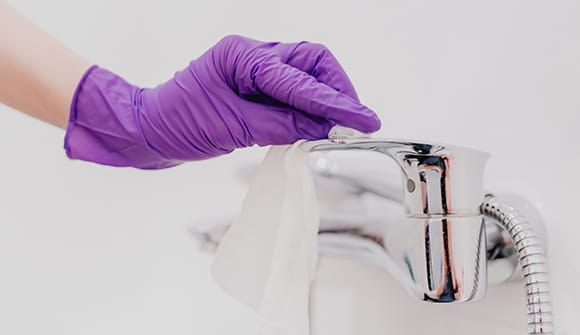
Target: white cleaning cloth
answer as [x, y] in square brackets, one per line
[267, 258]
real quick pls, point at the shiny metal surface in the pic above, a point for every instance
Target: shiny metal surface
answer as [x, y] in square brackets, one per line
[439, 260]
[384, 182]
[439, 179]
[441, 248]
[438, 251]
[532, 257]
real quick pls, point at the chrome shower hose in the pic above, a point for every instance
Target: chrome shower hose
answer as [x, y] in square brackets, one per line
[532, 258]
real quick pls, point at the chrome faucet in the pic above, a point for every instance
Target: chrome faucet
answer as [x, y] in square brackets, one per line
[441, 250]
[452, 239]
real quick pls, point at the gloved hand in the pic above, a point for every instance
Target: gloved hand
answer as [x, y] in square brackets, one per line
[239, 93]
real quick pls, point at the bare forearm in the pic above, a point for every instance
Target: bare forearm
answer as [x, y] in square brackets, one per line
[38, 75]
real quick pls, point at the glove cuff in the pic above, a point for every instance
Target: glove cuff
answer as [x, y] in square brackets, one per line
[104, 125]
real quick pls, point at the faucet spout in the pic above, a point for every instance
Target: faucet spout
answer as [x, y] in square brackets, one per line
[439, 247]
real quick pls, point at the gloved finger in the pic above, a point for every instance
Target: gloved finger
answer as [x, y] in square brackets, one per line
[298, 89]
[284, 125]
[318, 61]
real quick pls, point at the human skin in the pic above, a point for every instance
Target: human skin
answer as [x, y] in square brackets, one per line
[30, 61]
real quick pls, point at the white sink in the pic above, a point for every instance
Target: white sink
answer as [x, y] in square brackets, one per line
[351, 298]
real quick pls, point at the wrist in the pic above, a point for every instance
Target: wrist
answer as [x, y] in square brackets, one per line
[104, 125]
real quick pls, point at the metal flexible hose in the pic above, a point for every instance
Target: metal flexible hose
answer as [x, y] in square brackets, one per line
[533, 262]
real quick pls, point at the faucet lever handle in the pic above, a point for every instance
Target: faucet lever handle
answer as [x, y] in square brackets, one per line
[438, 179]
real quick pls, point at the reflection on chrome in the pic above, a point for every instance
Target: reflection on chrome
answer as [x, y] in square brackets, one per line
[450, 236]
[451, 240]
[440, 243]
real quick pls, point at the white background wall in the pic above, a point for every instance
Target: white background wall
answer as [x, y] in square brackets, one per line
[86, 249]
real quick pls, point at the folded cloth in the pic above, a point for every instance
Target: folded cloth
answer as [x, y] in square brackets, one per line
[267, 258]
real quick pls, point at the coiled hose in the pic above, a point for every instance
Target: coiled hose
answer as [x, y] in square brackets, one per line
[533, 262]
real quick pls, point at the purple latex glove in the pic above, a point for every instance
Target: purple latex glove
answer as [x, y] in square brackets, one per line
[239, 93]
